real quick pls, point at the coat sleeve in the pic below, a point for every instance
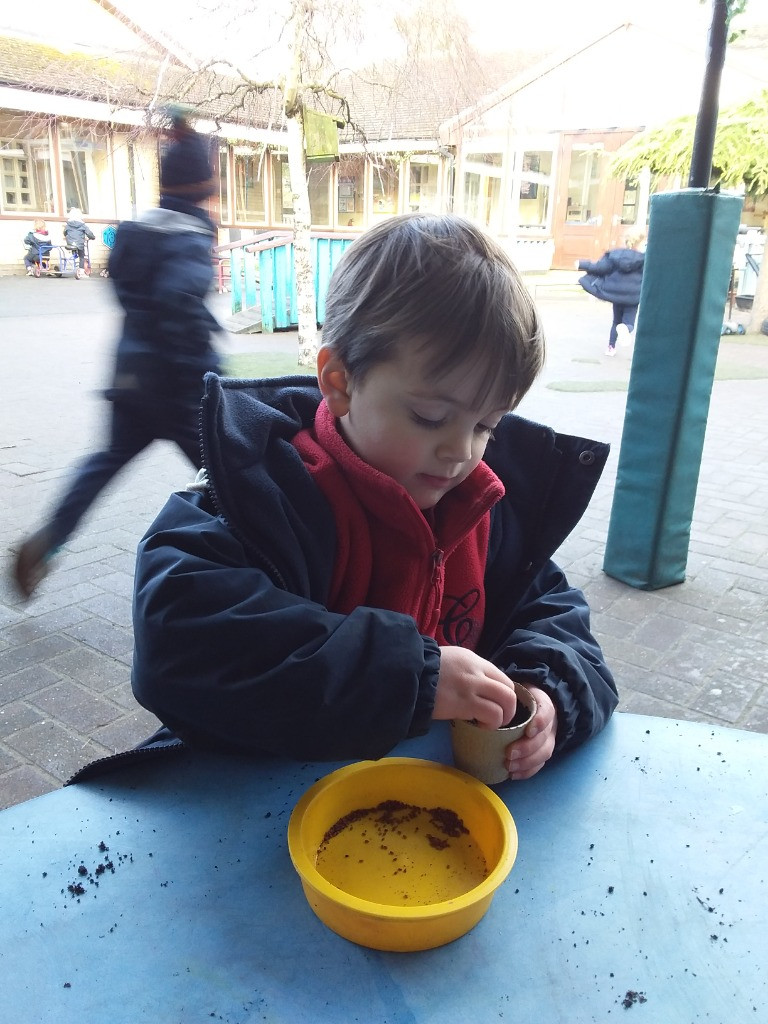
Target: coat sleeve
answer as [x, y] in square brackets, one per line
[229, 660]
[549, 645]
[601, 268]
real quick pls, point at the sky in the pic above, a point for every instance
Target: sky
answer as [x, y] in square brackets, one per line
[495, 24]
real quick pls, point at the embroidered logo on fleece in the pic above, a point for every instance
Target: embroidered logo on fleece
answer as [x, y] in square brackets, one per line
[458, 626]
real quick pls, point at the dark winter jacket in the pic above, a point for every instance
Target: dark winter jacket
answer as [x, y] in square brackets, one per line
[37, 242]
[617, 277]
[235, 648]
[75, 234]
[160, 266]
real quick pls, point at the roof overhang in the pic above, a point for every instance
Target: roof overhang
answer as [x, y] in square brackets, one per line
[30, 102]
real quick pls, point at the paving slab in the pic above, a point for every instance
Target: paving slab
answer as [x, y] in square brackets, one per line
[696, 651]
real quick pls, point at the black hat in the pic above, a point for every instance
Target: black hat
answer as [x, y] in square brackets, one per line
[186, 167]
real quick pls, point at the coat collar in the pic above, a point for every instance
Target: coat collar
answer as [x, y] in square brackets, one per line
[252, 466]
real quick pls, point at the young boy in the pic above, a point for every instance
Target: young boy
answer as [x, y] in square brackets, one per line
[370, 550]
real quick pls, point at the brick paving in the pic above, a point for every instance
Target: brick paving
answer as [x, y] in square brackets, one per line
[697, 651]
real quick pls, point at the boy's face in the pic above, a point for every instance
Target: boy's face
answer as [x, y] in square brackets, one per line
[427, 434]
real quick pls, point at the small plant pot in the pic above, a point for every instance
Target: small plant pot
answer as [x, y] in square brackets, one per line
[480, 752]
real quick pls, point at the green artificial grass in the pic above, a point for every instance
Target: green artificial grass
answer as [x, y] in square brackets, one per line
[724, 371]
[247, 365]
[588, 385]
[761, 340]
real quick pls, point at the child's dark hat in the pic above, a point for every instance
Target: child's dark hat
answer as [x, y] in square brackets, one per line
[186, 166]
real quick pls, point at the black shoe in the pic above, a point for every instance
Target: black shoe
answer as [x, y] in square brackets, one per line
[32, 562]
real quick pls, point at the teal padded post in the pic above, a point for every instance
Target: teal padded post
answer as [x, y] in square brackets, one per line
[691, 238]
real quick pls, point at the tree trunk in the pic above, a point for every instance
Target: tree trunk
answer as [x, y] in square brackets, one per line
[301, 14]
[302, 252]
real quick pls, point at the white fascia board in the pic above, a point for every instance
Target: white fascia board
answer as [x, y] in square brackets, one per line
[244, 133]
[391, 146]
[31, 102]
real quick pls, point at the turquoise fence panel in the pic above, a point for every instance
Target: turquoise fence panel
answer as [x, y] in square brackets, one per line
[236, 279]
[269, 277]
[282, 285]
[267, 289]
[322, 275]
[250, 279]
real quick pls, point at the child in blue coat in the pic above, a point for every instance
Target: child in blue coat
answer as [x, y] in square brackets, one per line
[76, 231]
[369, 551]
[617, 278]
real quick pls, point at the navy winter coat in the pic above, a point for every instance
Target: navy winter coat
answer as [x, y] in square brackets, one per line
[235, 649]
[616, 277]
[75, 234]
[160, 266]
[38, 243]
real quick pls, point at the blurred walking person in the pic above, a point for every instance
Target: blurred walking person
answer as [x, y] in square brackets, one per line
[617, 278]
[161, 269]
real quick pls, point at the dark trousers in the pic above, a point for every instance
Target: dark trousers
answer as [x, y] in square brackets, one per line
[80, 253]
[621, 315]
[131, 431]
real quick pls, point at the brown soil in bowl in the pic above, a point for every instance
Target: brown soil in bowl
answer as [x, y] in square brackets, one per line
[401, 854]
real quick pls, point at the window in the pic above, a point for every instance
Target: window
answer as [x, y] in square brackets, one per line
[351, 191]
[86, 169]
[629, 203]
[320, 176]
[249, 184]
[472, 195]
[486, 159]
[282, 193]
[584, 177]
[25, 166]
[534, 187]
[482, 188]
[423, 177]
[385, 187]
[224, 213]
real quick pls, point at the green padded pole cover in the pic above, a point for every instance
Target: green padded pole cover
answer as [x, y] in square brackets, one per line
[691, 237]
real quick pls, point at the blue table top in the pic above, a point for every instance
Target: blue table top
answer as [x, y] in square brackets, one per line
[642, 869]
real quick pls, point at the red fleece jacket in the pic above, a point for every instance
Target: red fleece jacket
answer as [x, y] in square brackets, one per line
[392, 555]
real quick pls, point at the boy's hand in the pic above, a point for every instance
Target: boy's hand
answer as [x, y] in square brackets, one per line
[526, 756]
[469, 687]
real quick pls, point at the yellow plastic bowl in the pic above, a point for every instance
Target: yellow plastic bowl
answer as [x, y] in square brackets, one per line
[381, 923]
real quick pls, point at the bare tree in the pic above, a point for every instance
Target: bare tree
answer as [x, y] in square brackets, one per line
[301, 60]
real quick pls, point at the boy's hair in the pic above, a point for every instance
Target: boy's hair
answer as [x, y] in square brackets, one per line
[442, 283]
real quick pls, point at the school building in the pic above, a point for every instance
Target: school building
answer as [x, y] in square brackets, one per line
[527, 158]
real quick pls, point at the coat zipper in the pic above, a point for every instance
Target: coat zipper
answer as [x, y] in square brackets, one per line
[264, 563]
